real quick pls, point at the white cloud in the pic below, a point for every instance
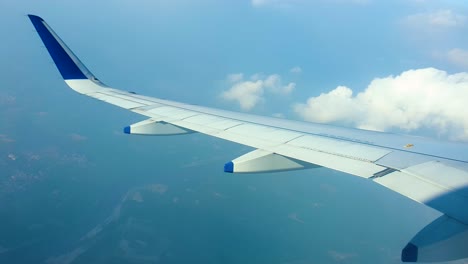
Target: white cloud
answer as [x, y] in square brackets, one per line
[329, 107]
[288, 88]
[273, 84]
[458, 57]
[415, 100]
[296, 69]
[441, 19]
[249, 93]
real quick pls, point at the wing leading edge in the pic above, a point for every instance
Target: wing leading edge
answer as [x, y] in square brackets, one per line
[427, 171]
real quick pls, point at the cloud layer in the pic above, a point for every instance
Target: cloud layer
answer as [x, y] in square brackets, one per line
[412, 101]
[248, 93]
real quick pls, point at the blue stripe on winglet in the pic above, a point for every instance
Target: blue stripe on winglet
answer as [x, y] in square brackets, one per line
[67, 67]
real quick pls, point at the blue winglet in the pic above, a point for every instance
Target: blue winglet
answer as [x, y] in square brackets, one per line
[229, 167]
[57, 50]
[126, 130]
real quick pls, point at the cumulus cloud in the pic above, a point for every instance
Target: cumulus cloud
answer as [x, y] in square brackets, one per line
[248, 93]
[415, 100]
[441, 18]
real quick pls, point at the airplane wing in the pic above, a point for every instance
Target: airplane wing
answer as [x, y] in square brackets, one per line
[427, 171]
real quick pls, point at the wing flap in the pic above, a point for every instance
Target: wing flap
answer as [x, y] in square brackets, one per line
[340, 147]
[352, 166]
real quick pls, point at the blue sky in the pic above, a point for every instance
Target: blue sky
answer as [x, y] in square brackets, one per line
[186, 51]
[296, 59]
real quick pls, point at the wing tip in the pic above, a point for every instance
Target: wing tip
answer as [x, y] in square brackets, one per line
[35, 19]
[66, 62]
[35, 16]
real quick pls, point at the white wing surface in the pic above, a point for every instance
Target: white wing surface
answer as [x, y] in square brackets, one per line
[430, 172]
